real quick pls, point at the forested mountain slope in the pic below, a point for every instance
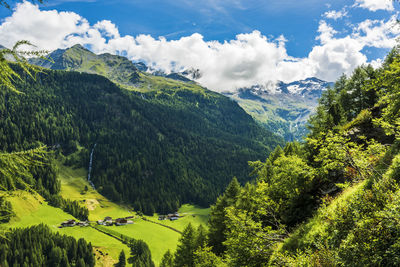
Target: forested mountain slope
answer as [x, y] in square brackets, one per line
[154, 150]
[331, 201]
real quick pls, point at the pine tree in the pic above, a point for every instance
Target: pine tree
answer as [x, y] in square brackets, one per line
[217, 230]
[184, 255]
[167, 260]
[121, 260]
[201, 240]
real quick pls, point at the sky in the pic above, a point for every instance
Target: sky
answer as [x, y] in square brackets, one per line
[234, 43]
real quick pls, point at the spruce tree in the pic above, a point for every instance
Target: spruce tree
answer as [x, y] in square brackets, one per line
[167, 260]
[121, 260]
[184, 255]
[217, 230]
[201, 239]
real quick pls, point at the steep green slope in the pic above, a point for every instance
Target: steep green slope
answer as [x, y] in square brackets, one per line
[154, 150]
[284, 114]
[116, 68]
[333, 200]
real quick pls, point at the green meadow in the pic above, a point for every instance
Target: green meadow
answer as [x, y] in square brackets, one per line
[31, 209]
[158, 237]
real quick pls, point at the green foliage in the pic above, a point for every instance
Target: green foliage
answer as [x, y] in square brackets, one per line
[190, 242]
[6, 211]
[188, 137]
[8, 75]
[345, 100]
[39, 246]
[27, 170]
[249, 241]
[217, 229]
[338, 153]
[167, 260]
[72, 207]
[34, 170]
[140, 254]
[287, 181]
[204, 257]
[298, 188]
[184, 255]
[390, 95]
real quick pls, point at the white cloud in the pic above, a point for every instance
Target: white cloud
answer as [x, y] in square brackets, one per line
[333, 14]
[377, 33]
[46, 29]
[374, 5]
[249, 59]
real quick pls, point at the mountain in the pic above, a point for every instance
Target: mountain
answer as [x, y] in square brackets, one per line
[283, 108]
[185, 76]
[159, 146]
[116, 68]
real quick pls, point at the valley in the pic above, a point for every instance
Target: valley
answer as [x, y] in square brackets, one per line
[160, 171]
[32, 209]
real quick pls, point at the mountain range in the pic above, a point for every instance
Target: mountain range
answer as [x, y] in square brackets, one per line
[160, 142]
[282, 108]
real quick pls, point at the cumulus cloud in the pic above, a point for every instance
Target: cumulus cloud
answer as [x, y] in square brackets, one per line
[374, 5]
[46, 29]
[333, 14]
[250, 58]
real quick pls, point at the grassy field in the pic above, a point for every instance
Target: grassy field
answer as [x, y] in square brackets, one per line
[32, 210]
[159, 238]
[190, 214]
[73, 182]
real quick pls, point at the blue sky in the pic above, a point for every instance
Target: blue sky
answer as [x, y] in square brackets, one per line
[288, 30]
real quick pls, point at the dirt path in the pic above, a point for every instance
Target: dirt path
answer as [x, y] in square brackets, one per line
[169, 227]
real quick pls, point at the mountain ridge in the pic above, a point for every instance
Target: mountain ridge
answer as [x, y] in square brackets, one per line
[280, 107]
[283, 108]
[165, 139]
[116, 68]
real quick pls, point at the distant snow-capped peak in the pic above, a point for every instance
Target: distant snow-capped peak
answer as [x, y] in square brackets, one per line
[310, 87]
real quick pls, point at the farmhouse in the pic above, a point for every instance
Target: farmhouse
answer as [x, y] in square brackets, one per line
[83, 224]
[122, 221]
[172, 217]
[107, 221]
[68, 223]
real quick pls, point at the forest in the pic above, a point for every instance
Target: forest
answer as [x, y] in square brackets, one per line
[329, 201]
[40, 246]
[154, 150]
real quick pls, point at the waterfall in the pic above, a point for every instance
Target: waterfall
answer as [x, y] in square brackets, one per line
[90, 166]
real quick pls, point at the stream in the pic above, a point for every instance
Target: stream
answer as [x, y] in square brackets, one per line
[90, 167]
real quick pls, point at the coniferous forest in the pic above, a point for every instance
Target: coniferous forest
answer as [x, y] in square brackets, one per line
[330, 201]
[39, 246]
[155, 153]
